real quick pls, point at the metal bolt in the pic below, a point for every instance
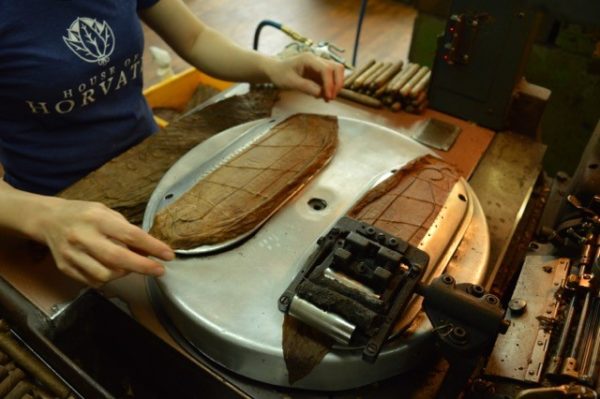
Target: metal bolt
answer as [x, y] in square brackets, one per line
[447, 279]
[284, 300]
[561, 176]
[370, 231]
[459, 335]
[491, 299]
[372, 348]
[381, 238]
[392, 242]
[517, 306]
[477, 290]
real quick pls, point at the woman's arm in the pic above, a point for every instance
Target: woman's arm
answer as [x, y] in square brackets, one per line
[211, 52]
[89, 242]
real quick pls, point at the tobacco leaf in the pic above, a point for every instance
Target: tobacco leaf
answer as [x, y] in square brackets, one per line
[303, 348]
[244, 191]
[406, 204]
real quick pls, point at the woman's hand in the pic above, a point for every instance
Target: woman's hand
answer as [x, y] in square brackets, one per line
[308, 73]
[94, 244]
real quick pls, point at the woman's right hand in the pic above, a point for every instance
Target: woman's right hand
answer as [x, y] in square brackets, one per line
[94, 244]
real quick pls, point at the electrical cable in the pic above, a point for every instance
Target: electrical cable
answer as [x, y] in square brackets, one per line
[262, 24]
[361, 15]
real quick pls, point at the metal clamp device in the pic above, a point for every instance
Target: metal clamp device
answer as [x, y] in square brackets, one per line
[360, 279]
[355, 285]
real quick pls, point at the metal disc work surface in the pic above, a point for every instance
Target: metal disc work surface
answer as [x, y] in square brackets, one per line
[225, 303]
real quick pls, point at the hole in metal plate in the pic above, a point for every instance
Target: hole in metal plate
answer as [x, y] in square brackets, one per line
[317, 204]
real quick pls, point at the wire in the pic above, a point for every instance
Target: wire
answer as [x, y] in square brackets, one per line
[262, 24]
[361, 15]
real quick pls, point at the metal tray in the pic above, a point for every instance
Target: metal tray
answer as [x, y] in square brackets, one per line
[225, 304]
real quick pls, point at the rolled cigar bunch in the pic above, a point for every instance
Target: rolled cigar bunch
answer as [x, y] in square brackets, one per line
[396, 85]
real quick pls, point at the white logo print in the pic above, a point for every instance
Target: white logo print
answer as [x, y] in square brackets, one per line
[91, 40]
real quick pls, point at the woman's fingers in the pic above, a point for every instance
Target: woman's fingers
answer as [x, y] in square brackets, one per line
[115, 256]
[85, 266]
[338, 73]
[94, 244]
[310, 74]
[136, 238]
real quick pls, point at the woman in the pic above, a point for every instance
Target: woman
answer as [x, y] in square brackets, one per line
[70, 100]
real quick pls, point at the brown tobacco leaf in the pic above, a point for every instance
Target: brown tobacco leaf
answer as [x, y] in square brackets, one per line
[405, 205]
[244, 191]
[303, 348]
[126, 182]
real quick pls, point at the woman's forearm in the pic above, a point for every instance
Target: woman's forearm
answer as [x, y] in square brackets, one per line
[22, 213]
[203, 47]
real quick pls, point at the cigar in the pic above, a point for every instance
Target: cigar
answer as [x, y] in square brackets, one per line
[417, 109]
[360, 98]
[360, 81]
[389, 99]
[384, 87]
[396, 107]
[420, 86]
[357, 72]
[387, 75]
[422, 96]
[410, 71]
[376, 76]
[413, 81]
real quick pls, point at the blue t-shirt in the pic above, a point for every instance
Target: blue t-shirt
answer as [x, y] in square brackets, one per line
[70, 88]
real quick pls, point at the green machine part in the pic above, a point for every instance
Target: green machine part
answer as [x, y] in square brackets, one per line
[564, 57]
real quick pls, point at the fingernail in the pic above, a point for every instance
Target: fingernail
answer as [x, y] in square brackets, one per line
[158, 271]
[167, 255]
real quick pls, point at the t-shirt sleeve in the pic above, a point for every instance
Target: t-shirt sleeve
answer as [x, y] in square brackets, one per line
[146, 3]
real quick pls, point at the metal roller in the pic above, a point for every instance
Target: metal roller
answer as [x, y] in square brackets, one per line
[328, 323]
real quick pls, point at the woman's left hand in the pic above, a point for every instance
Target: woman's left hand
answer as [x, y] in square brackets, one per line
[308, 73]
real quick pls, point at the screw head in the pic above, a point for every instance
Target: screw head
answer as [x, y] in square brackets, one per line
[477, 290]
[371, 348]
[447, 279]
[491, 299]
[284, 300]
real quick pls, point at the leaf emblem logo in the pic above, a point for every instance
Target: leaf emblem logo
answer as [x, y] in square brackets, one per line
[91, 40]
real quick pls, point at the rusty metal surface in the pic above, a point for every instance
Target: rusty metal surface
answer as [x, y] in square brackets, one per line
[503, 182]
[520, 354]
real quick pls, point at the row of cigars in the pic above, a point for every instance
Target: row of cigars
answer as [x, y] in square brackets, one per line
[395, 85]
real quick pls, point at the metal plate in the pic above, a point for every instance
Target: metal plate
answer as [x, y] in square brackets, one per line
[520, 353]
[437, 134]
[225, 304]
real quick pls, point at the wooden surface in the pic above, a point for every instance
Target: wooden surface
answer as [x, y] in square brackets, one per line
[386, 30]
